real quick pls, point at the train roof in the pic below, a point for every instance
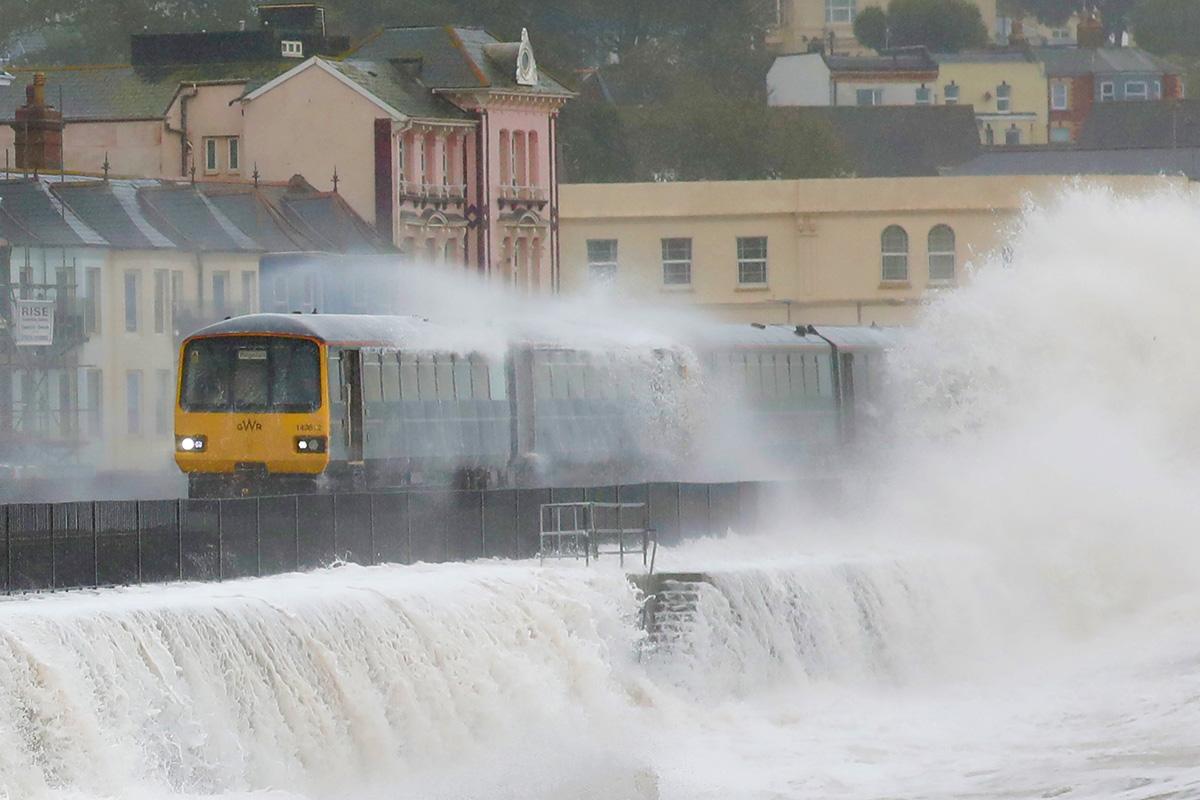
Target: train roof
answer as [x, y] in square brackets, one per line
[792, 336]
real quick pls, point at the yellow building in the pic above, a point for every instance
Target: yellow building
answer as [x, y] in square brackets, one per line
[1007, 89]
[829, 251]
[801, 23]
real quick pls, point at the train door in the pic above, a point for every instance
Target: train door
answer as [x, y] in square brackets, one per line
[353, 406]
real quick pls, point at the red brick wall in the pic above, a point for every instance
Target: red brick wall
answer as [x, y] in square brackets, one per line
[1082, 97]
[1172, 87]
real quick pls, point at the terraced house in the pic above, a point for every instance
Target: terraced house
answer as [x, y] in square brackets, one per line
[443, 138]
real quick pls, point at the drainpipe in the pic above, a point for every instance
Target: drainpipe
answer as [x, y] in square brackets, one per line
[181, 131]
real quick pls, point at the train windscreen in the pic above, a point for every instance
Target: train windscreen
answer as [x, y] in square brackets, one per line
[251, 373]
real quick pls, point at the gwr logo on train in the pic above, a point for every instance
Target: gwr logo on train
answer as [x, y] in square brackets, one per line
[249, 425]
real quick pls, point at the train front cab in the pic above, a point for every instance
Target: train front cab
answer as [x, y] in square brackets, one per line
[252, 414]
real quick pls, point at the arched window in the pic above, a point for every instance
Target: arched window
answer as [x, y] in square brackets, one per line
[941, 253]
[894, 247]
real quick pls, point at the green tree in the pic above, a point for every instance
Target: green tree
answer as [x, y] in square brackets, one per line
[1168, 27]
[944, 26]
[871, 27]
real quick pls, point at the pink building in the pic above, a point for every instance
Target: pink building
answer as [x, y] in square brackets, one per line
[442, 137]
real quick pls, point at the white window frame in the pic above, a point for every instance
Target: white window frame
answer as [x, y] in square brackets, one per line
[751, 269]
[1003, 98]
[1060, 96]
[1142, 93]
[233, 149]
[876, 97]
[924, 95]
[211, 160]
[890, 259]
[1158, 90]
[950, 93]
[840, 10]
[602, 270]
[942, 262]
[677, 269]
[1108, 91]
[291, 48]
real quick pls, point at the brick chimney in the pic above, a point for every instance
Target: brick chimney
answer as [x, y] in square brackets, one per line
[39, 129]
[1090, 32]
[1016, 39]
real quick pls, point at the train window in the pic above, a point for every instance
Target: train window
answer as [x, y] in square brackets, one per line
[251, 373]
[391, 378]
[445, 377]
[409, 381]
[479, 379]
[796, 370]
[824, 377]
[767, 362]
[372, 383]
[462, 378]
[496, 379]
[541, 377]
[576, 369]
[753, 376]
[782, 376]
[426, 382]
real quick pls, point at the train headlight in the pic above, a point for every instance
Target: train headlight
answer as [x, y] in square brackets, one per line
[310, 444]
[191, 444]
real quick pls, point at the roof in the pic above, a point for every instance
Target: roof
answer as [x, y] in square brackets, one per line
[447, 57]
[1157, 124]
[899, 141]
[1068, 161]
[124, 92]
[1077, 61]
[390, 83]
[151, 214]
[985, 57]
[908, 60]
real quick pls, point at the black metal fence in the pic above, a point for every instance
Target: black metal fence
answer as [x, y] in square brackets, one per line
[45, 546]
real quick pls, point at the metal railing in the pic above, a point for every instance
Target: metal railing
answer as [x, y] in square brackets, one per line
[571, 530]
[440, 191]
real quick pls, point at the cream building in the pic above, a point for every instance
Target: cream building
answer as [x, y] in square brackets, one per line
[831, 251]
[800, 24]
[1007, 89]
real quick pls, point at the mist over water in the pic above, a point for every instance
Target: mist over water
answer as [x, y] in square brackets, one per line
[1006, 609]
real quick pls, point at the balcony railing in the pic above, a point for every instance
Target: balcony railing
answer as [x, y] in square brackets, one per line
[415, 190]
[514, 192]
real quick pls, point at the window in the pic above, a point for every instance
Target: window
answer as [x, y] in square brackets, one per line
[839, 10]
[1058, 97]
[1136, 90]
[1003, 97]
[131, 301]
[291, 48]
[176, 290]
[235, 155]
[989, 135]
[1158, 90]
[752, 260]
[677, 262]
[1012, 135]
[251, 373]
[133, 401]
[1107, 91]
[401, 168]
[220, 294]
[163, 408]
[445, 162]
[941, 253]
[94, 380]
[869, 97]
[160, 300]
[249, 291]
[894, 248]
[923, 95]
[951, 93]
[602, 259]
[91, 288]
[210, 155]
[1060, 135]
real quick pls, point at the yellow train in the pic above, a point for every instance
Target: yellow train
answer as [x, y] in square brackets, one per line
[282, 403]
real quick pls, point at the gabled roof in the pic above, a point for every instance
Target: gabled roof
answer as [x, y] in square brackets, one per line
[1160, 123]
[1079, 61]
[111, 210]
[898, 141]
[30, 214]
[447, 57]
[124, 92]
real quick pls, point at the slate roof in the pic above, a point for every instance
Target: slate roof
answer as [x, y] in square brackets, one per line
[147, 215]
[1157, 124]
[899, 141]
[389, 82]
[1078, 61]
[914, 60]
[1070, 161]
[985, 57]
[450, 58]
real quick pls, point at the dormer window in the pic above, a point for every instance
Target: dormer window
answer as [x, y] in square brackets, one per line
[292, 48]
[526, 64]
